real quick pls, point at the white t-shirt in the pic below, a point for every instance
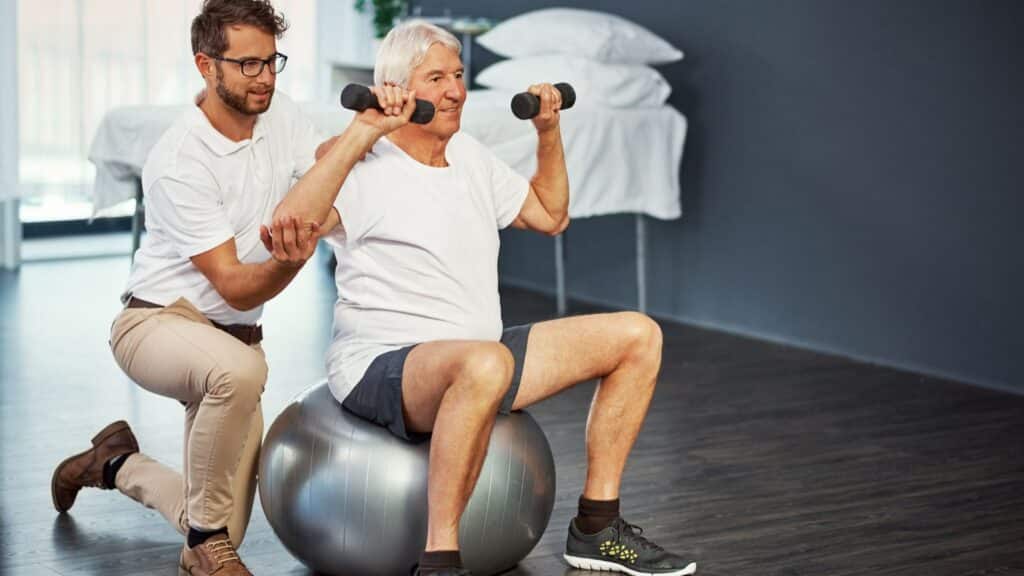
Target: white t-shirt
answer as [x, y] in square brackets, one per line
[418, 253]
[201, 189]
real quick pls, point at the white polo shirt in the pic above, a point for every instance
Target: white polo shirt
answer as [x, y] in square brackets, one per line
[418, 252]
[201, 189]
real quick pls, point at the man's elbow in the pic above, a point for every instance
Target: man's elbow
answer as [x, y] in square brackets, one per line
[559, 227]
[244, 305]
[240, 302]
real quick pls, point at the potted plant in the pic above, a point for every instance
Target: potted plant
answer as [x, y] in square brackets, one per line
[385, 12]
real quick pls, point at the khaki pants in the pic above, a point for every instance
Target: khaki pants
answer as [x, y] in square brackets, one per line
[176, 352]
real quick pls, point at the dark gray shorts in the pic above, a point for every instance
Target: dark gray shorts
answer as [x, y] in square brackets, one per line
[378, 395]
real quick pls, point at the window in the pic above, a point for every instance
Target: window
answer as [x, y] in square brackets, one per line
[77, 59]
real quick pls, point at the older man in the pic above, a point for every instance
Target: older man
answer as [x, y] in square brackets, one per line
[419, 345]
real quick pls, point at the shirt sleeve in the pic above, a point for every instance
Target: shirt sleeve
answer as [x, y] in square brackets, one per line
[508, 187]
[352, 211]
[190, 214]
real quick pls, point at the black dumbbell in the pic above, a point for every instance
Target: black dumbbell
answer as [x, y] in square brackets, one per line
[526, 105]
[357, 97]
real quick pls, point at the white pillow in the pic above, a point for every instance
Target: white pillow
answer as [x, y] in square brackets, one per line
[614, 85]
[595, 35]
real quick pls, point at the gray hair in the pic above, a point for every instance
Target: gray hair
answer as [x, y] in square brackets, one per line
[405, 47]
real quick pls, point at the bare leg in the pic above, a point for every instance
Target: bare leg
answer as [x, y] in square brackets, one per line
[454, 388]
[624, 351]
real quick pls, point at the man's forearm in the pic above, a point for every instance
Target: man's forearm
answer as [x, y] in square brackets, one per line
[551, 181]
[314, 194]
[246, 286]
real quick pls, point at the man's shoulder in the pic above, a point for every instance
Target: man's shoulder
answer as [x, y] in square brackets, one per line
[471, 154]
[463, 141]
[180, 151]
[383, 158]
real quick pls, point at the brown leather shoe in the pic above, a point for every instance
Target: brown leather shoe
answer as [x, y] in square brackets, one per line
[215, 556]
[86, 468]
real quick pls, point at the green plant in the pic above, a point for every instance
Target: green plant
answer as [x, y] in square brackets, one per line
[384, 13]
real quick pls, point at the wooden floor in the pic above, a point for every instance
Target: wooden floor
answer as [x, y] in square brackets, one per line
[756, 458]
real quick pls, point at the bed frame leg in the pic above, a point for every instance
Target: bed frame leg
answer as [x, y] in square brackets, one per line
[560, 297]
[641, 263]
[137, 217]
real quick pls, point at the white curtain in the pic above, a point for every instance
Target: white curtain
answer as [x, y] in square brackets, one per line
[10, 226]
[77, 59]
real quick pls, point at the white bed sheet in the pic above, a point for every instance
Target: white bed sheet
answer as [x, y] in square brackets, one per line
[619, 160]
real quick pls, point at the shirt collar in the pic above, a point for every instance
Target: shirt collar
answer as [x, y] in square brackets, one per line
[220, 144]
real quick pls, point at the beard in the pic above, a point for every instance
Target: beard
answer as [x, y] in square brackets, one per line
[238, 102]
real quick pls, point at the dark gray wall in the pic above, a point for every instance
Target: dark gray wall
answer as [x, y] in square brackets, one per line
[850, 183]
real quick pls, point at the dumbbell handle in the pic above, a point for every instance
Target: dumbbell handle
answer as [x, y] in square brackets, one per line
[358, 97]
[526, 105]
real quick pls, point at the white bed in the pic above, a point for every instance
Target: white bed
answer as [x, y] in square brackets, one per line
[619, 160]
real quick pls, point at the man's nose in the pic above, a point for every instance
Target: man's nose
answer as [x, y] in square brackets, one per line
[454, 91]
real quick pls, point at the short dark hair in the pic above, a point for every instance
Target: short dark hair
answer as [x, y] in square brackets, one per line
[209, 28]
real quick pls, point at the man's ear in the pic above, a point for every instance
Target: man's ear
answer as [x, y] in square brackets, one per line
[205, 65]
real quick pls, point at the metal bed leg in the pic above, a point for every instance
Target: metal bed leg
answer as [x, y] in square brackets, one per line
[641, 263]
[137, 217]
[560, 298]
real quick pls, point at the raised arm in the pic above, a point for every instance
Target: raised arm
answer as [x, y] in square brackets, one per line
[313, 196]
[546, 208]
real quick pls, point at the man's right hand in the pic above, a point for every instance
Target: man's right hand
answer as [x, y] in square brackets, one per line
[398, 105]
[289, 241]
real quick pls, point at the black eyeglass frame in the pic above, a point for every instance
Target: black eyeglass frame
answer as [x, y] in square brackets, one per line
[271, 61]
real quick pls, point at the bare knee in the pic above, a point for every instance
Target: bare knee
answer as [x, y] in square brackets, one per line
[643, 337]
[486, 371]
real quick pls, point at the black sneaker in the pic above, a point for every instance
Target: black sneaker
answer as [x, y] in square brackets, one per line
[621, 548]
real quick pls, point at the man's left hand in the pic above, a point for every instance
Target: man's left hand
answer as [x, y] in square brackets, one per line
[550, 105]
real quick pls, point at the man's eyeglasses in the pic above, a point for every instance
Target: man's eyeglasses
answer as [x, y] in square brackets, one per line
[253, 67]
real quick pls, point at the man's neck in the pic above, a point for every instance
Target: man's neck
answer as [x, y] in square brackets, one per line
[229, 122]
[424, 148]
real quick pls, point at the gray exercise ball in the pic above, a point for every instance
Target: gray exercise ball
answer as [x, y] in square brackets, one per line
[346, 497]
